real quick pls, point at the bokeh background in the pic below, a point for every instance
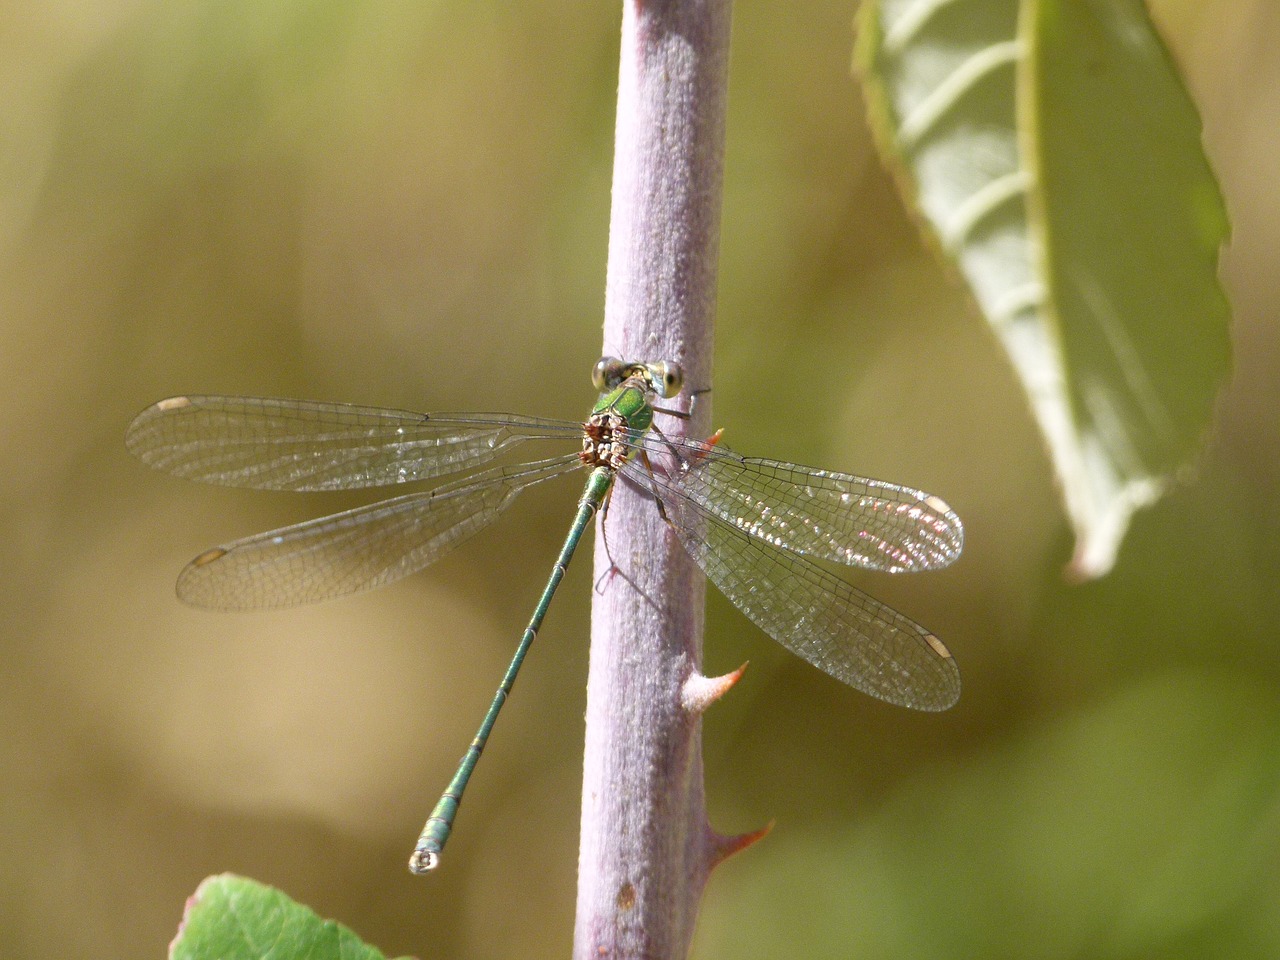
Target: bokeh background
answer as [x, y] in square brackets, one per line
[407, 204]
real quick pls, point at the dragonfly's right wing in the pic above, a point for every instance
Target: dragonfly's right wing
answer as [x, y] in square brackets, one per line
[272, 444]
[819, 617]
[358, 549]
[839, 517]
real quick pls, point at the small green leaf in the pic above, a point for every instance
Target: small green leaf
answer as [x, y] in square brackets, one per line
[232, 918]
[1055, 155]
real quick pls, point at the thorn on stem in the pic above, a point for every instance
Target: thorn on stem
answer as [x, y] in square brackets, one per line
[700, 692]
[722, 848]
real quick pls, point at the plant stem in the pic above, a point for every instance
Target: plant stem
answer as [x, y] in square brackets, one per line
[646, 848]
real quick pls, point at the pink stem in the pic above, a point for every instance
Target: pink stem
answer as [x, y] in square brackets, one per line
[645, 845]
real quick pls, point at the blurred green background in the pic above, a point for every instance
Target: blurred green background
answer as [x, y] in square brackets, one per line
[407, 205]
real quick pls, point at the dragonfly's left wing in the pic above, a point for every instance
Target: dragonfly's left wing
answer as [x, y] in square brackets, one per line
[821, 618]
[276, 444]
[362, 548]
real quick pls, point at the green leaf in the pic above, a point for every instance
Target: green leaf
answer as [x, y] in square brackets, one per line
[232, 918]
[1055, 156]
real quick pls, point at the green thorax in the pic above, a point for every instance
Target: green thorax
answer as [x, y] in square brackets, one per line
[630, 400]
[620, 417]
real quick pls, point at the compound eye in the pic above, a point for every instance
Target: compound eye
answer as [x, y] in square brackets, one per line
[608, 373]
[670, 378]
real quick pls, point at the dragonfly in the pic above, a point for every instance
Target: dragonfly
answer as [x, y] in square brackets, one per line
[754, 526]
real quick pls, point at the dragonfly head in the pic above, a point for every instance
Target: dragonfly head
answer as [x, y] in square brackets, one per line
[664, 378]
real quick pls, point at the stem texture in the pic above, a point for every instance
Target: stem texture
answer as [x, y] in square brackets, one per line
[646, 848]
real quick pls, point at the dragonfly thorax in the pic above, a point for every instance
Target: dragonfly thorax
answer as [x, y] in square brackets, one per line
[606, 440]
[618, 418]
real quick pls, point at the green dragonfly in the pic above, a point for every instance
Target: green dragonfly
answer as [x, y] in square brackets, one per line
[752, 525]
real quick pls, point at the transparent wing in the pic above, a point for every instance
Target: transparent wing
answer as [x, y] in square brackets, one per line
[273, 444]
[817, 616]
[835, 516]
[362, 548]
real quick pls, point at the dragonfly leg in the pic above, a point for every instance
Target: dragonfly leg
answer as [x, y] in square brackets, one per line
[693, 397]
[683, 414]
[605, 578]
[653, 491]
[675, 451]
[604, 535]
[615, 570]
